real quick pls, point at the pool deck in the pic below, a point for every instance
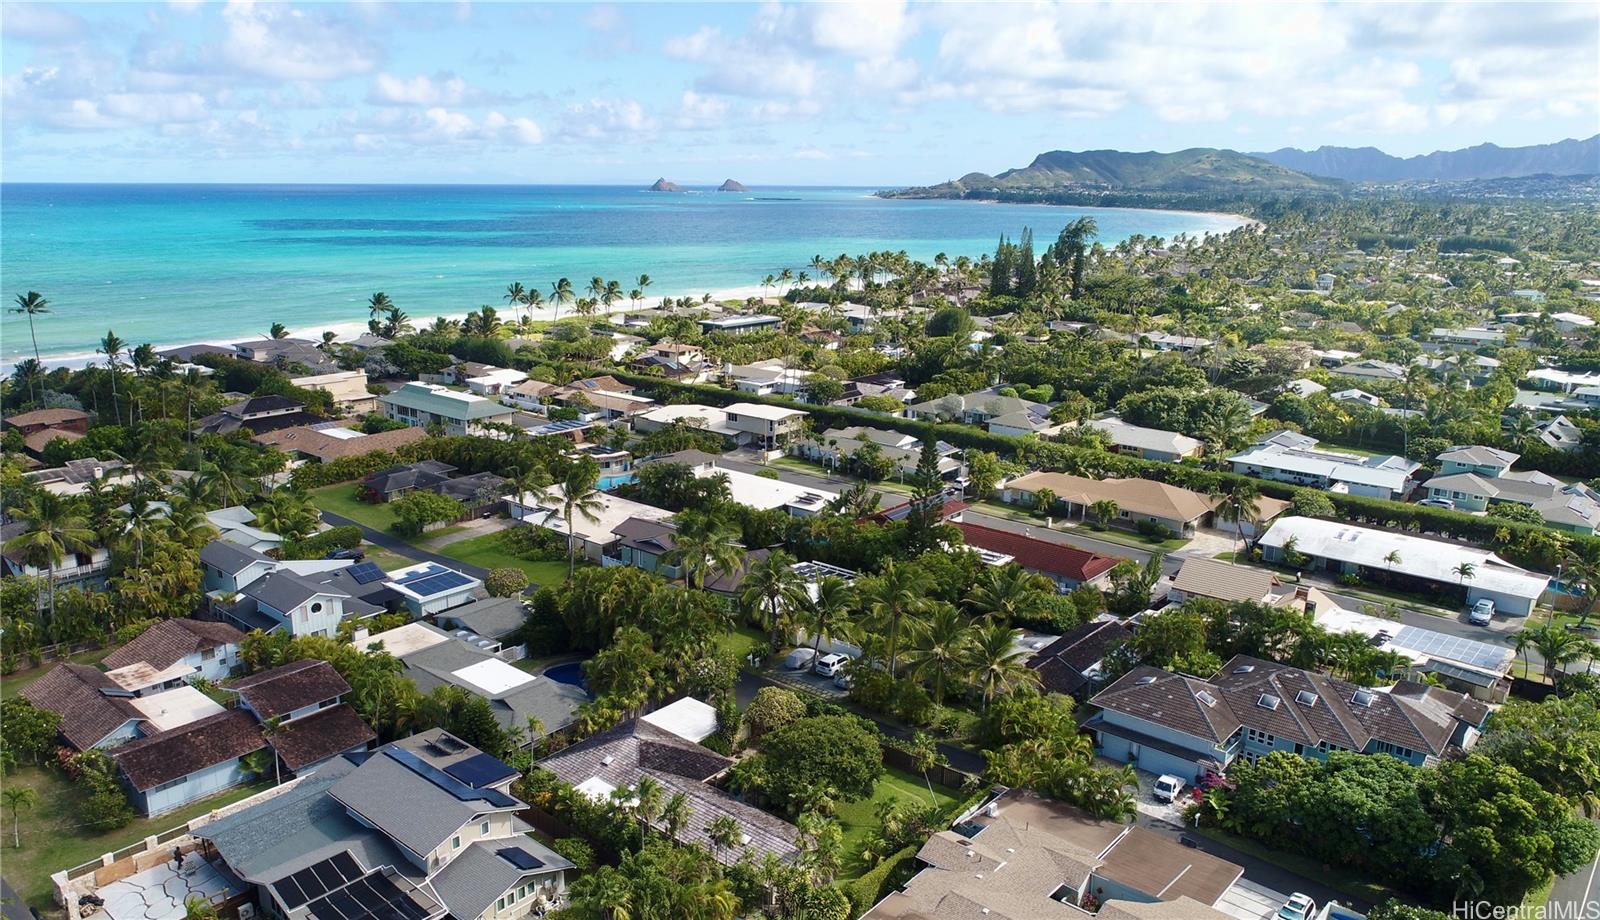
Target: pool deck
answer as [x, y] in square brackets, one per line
[161, 893]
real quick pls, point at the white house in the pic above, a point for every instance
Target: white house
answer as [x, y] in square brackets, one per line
[593, 534]
[424, 405]
[1289, 456]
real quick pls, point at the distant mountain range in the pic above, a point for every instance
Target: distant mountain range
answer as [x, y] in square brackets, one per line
[1197, 170]
[1486, 161]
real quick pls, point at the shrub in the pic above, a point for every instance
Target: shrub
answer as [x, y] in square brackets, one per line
[505, 582]
[1154, 530]
[772, 709]
[886, 876]
[315, 547]
[837, 752]
[576, 851]
[414, 511]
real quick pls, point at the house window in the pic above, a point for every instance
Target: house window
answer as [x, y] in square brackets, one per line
[1255, 736]
[484, 828]
[500, 904]
[455, 842]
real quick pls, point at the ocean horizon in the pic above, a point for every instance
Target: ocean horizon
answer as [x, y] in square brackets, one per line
[178, 263]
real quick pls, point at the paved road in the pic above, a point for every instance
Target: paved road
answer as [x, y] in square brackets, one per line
[11, 903]
[1578, 894]
[400, 547]
[1256, 870]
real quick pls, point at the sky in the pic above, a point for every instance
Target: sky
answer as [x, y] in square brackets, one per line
[847, 93]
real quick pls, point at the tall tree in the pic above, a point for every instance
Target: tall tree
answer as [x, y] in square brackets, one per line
[32, 304]
[112, 347]
[55, 528]
[774, 593]
[580, 495]
[895, 599]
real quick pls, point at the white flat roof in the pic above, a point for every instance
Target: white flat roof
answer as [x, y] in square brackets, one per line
[612, 512]
[688, 718]
[596, 788]
[404, 640]
[762, 411]
[141, 674]
[174, 708]
[493, 676]
[1419, 557]
[712, 419]
[760, 492]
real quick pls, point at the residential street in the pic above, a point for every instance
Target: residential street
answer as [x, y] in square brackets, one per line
[400, 547]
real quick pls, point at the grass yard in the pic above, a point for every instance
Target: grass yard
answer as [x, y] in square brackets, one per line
[341, 499]
[12, 684]
[858, 819]
[52, 841]
[743, 641]
[385, 559]
[486, 551]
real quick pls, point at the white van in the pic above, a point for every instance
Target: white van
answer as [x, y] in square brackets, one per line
[829, 665]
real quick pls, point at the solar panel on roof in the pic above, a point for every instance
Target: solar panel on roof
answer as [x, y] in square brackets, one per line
[449, 783]
[438, 583]
[365, 573]
[522, 859]
[480, 770]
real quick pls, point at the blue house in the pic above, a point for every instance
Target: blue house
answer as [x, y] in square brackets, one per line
[1174, 723]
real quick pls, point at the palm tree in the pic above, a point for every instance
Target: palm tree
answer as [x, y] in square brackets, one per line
[1237, 503]
[139, 524]
[829, 611]
[773, 591]
[54, 529]
[560, 293]
[112, 347]
[998, 663]
[647, 796]
[1004, 593]
[676, 813]
[1464, 571]
[30, 305]
[533, 300]
[1390, 560]
[580, 494]
[378, 304]
[1558, 647]
[894, 600]
[515, 295]
[17, 798]
[704, 544]
[278, 331]
[945, 647]
[1105, 511]
[269, 730]
[610, 294]
[724, 832]
[1523, 642]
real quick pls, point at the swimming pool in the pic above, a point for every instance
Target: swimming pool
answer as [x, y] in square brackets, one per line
[569, 673]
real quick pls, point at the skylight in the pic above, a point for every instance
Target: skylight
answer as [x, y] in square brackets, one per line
[1205, 697]
[1306, 698]
[1268, 701]
[1145, 680]
[1244, 669]
[1362, 698]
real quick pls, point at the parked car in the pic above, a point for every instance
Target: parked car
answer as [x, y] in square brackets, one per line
[799, 659]
[1482, 613]
[829, 665]
[1444, 503]
[353, 552]
[1168, 787]
[842, 678]
[1298, 907]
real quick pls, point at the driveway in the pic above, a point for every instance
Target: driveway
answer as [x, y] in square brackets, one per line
[1250, 901]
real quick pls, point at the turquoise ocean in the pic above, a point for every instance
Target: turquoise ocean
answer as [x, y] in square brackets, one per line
[173, 264]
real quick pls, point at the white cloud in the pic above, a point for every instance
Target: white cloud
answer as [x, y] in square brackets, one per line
[41, 22]
[441, 89]
[606, 120]
[284, 43]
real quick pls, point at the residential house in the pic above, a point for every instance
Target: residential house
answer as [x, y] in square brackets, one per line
[1304, 388]
[1371, 369]
[328, 442]
[766, 378]
[1066, 566]
[1017, 855]
[430, 588]
[236, 524]
[258, 415]
[740, 324]
[1560, 434]
[392, 483]
[890, 384]
[529, 394]
[431, 657]
[496, 619]
[86, 569]
[1179, 510]
[797, 495]
[285, 352]
[1288, 456]
[41, 426]
[181, 650]
[420, 829]
[616, 466]
[1481, 670]
[619, 757]
[172, 768]
[347, 388]
[600, 405]
[676, 351]
[425, 405]
[1571, 322]
[1201, 577]
[673, 369]
[227, 567]
[494, 381]
[1147, 443]
[1434, 565]
[989, 409]
[1357, 397]
[836, 446]
[74, 476]
[95, 711]
[595, 535]
[1469, 337]
[764, 427]
[1071, 664]
[1475, 478]
[302, 704]
[1188, 726]
[645, 543]
[286, 600]
[703, 418]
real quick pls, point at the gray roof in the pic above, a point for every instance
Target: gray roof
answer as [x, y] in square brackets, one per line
[478, 875]
[284, 590]
[552, 702]
[1479, 455]
[230, 557]
[494, 617]
[406, 807]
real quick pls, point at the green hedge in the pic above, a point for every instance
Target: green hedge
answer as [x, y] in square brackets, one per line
[1101, 464]
[323, 543]
[886, 876]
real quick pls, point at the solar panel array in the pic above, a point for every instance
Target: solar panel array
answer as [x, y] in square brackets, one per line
[448, 783]
[435, 579]
[316, 880]
[365, 573]
[374, 896]
[1439, 645]
[520, 858]
[480, 770]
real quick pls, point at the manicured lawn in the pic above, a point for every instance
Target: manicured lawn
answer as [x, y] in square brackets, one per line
[12, 684]
[487, 551]
[1341, 880]
[858, 819]
[386, 560]
[341, 500]
[743, 641]
[52, 839]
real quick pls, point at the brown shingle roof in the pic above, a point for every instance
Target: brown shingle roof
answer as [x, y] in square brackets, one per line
[288, 687]
[325, 447]
[1135, 496]
[167, 642]
[176, 753]
[40, 439]
[87, 715]
[1170, 699]
[46, 417]
[1060, 665]
[1223, 581]
[1054, 558]
[321, 735]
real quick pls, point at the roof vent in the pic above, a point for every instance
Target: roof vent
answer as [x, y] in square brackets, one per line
[744, 840]
[1145, 680]
[1306, 698]
[608, 760]
[1205, 697]
[1244, 669]
[1362, 698]
[1268, 701]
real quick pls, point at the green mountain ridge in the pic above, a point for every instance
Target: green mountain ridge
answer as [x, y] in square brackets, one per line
[1196, 170]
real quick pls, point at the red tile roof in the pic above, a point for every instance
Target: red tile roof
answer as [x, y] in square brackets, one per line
[1038, 555]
